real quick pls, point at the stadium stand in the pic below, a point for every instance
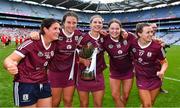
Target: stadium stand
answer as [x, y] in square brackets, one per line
[25, 15]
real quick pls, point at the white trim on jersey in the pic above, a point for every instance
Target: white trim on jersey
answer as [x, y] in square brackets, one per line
[142, 47]
[94, 37]
[71, 75]
[163, 52]
[115, 40]
[19, 53]
[16, 94]
[26, 43]
[42, 39]
[68, 36]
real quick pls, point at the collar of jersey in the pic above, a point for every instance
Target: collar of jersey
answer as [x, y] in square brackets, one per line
[68, 36]
[142, 47]
[94, 37]
[42, 39]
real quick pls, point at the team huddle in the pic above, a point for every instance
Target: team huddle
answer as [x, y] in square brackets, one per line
[48, 67]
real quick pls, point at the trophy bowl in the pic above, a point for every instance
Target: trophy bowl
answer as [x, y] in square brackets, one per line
[86, 53]
[87, 76]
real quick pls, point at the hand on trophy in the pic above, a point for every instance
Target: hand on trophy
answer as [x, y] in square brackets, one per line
[86, 54]
[85, 62]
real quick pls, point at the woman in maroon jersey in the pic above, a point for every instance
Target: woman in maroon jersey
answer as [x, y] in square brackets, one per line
[29, 62]
[63, 67]
[121, 67]
[95, 86]
[64, 63]
[147, 54]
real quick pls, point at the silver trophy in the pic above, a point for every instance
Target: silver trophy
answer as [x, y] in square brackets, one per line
[86, 52]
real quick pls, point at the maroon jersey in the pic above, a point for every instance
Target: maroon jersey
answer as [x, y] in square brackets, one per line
[36, 56]
[119, 53]
[66, 45]
[97, 43]
[146, 60]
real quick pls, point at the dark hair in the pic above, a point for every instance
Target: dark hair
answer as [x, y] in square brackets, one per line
[70, 13]
[140, 26]
[47, 23]
[114, 20]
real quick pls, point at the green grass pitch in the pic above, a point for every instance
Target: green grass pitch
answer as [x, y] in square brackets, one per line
[171, 83]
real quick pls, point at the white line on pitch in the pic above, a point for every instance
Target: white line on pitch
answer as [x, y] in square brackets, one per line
[173, 79]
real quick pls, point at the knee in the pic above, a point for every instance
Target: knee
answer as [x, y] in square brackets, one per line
[56, 102]
[84, 103]
[97, 104]
[125, 97]
[147, 104]
[115, 96]
[67, 102]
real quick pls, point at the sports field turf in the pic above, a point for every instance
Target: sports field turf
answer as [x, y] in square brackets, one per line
[171, 83]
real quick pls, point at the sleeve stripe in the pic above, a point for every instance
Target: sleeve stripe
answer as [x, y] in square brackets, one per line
[26, 43]
[19, 53]
[163, 52]
[16, 93]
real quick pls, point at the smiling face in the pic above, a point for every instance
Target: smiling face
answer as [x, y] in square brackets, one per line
[146, 34]
[96, 24]
[114, 30]
[70, 24]
[52, 32]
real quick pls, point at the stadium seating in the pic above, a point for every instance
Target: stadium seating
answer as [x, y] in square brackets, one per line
[129, 19]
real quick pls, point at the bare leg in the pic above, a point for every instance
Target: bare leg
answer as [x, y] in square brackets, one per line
[45, 102]
[56, 96]
[98, 98]
[126, 89]
[68, 94]
[115, 92]
[84, 98]
[154, 94]
[145, 96]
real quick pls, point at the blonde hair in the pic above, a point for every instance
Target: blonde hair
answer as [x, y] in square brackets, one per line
[96, 16]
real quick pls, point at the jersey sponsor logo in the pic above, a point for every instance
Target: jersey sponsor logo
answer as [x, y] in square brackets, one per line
[149, 54]
[110, 46]
[40, 54]
[68, 47]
